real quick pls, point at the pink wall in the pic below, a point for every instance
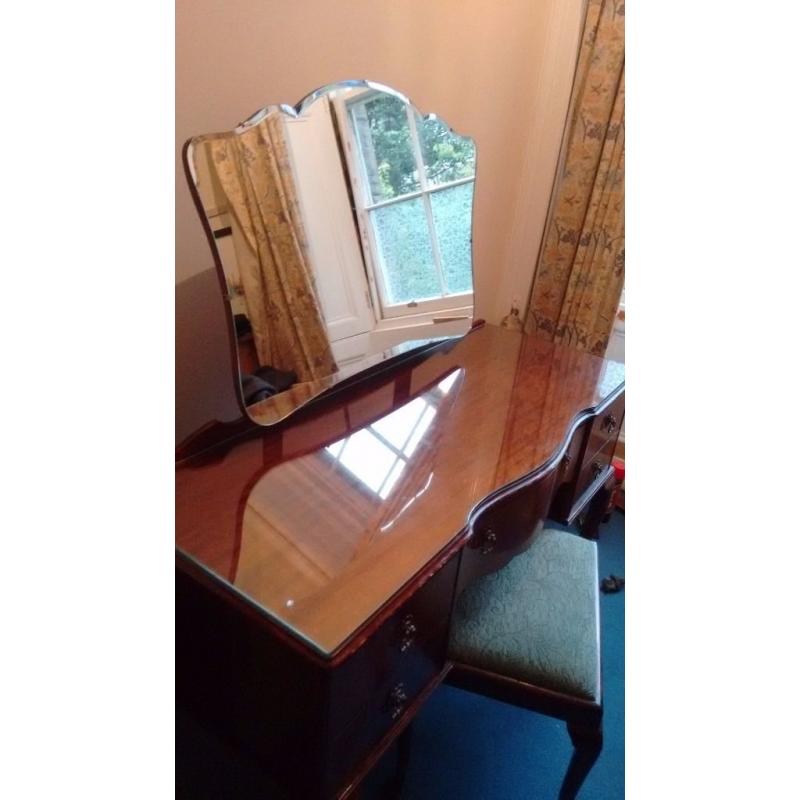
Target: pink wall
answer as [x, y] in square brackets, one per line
[497, 71]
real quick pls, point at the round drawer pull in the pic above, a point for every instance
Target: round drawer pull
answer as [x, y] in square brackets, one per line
[397, 700]
[609, 423]
[488, 542]
[409, 630]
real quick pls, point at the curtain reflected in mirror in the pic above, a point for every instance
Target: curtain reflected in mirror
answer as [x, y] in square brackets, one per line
[343, 230]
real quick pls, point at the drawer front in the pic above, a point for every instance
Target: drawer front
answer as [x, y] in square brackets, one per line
[386, 706]
[594, 467]
[506, 529]
[606, 427]
[568, 472]
[571, 463]
[398, 652]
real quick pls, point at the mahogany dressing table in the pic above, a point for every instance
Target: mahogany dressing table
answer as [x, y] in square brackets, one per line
[318, 560]
[323, 539]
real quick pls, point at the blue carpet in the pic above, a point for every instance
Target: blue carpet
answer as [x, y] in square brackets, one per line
[473, 748]
[464, 746]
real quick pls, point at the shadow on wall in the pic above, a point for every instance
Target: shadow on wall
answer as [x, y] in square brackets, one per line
[204, 385]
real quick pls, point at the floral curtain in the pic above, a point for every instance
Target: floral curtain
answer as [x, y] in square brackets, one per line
[254, 172]
[581, 268]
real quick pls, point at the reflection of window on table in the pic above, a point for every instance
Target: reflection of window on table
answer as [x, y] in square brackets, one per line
[415, 195]
[378, 454]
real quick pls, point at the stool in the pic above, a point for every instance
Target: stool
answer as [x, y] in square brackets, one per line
[529, 635]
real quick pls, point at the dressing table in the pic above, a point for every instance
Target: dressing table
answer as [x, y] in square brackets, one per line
[319, 558]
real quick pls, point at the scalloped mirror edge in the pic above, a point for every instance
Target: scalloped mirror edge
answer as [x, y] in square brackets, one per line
[268, 245]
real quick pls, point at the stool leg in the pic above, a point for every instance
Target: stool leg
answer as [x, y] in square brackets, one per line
[588, 742]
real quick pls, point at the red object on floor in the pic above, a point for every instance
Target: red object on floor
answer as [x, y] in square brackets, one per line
[618, 497]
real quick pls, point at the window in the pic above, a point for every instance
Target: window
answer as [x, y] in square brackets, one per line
[413, 181]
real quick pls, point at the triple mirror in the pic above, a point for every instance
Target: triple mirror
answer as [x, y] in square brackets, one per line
[343, 231]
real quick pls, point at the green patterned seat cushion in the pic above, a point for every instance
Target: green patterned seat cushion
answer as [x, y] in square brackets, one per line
[536, 620]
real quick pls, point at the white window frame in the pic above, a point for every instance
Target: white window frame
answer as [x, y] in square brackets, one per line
[457, 304]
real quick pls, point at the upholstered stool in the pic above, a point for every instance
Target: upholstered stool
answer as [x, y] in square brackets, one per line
[530, 635]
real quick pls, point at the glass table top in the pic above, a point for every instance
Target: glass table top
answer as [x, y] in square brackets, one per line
[320, 524]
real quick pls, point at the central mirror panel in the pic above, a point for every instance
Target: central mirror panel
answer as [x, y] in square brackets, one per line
[343, 231]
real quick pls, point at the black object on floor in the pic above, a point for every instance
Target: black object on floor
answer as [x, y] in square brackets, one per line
[279, 379]
[612, 584]
[242, 325]
[265, 382]
[255, 389]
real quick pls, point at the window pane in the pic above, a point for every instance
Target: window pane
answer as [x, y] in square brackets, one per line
[401, 231]
[447, 157]
[384, 139]
[452, 217]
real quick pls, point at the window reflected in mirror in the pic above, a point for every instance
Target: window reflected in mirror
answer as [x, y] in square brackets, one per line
[415, 191]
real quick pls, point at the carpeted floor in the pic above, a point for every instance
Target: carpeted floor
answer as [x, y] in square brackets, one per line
[464, 746]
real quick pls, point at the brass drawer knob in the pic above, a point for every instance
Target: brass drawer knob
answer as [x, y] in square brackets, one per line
[488, 542]
[609, 423]
[409, 631]
[397, 700]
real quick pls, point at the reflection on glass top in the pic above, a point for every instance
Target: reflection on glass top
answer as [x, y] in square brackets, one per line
[343, 230]
[377, 455]
[322, 523]
[363, 484]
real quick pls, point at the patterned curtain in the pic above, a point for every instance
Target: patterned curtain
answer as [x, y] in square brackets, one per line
[581, 268]
[255, 174]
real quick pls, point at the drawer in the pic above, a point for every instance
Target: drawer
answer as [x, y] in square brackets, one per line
[505, 529]
[387, 704]
[571, 462]
[594, 467]
[568, 472]
[606, 426]
[400, 651]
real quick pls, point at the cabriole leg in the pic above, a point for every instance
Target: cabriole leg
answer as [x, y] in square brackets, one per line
[588, 742]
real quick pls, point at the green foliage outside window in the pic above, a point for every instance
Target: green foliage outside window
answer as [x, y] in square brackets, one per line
[401, 229]
[447, 157]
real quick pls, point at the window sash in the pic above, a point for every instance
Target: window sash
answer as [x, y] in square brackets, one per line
[413, 195]
[445, 298]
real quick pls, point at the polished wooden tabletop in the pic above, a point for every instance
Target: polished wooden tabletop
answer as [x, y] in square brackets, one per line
[320, 523]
